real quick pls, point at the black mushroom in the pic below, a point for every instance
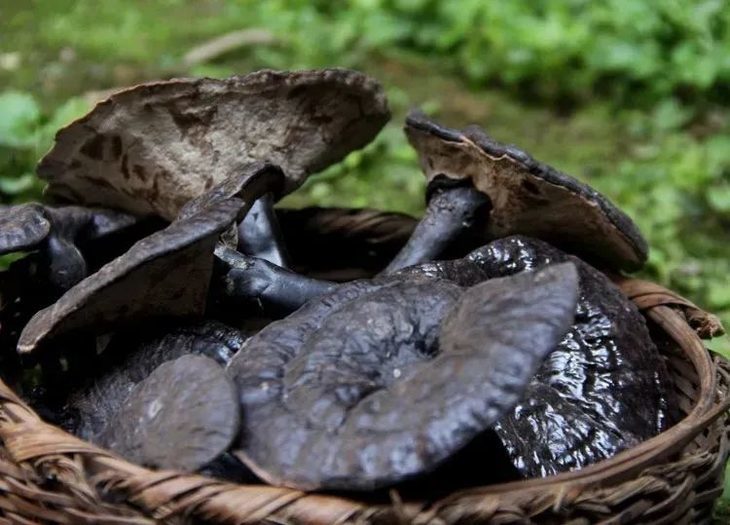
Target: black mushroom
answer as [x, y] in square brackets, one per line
[166, 274]
[101, 409]
[130, 357]
[183, 416]
[525, 197]
[152, 148]
[605, 387]
[381, 381]
[58, 234]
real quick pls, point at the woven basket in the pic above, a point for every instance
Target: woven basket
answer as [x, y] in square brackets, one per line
[47, 475]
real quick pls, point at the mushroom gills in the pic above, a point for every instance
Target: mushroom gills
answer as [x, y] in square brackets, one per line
[454, 211]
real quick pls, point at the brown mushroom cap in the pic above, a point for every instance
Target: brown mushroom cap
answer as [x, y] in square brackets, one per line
[165, 274]
[152, 148]
[528, 197]
[184, 415]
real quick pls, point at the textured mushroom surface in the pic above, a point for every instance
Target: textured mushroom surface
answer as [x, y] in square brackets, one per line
[130, 357]
[22, 227]
[378, 382]
[529, 197]
[165, 274]
[152, 148]
[183, 416]
[603, 390]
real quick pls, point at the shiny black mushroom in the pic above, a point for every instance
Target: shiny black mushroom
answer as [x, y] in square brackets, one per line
[152, 148]
[381, 381]
[604, 389]
[525, 197]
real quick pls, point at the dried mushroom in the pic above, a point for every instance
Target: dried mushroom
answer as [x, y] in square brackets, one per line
[242, 279]
[378, 382]
[258, 234]
[152, 148]
[604, 388]
[526, 197]
[165, 274]
[130, 357]
[58, 234]
[183, 416]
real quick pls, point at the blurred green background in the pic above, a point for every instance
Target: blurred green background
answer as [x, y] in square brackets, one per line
[630, 95]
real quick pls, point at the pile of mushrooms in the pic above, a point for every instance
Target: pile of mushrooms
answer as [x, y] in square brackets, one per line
[175, 330]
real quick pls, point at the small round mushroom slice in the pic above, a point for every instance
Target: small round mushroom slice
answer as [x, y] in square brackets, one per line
[377, 383]
[182, 417]
[164, 275]
[527, 197]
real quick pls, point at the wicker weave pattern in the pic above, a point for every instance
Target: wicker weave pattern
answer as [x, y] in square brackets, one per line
[47, 475]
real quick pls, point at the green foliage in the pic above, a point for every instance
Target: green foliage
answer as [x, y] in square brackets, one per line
[25, 134]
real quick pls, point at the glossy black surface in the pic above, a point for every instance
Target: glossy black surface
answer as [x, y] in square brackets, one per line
[246, 281]
[452, 213]
[259, 234]
[605, 387]
[380, 381]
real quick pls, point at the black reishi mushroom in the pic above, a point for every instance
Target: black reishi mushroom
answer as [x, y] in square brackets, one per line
[245, 280]
[166, 274]
[378, 382]
[58, 233]
[605, 387]
[526, 197]
[182, 417]
[152, 148]
[453, 211]
[129, 358]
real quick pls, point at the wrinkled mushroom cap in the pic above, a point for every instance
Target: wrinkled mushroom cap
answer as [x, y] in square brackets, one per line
[378, 382]
[184, 415]
[151, 148]
[528, 197]
[165, 274]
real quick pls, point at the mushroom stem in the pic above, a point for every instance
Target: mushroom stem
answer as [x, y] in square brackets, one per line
[246, 279]
[66, 265]
[452, 212]
[259, 234]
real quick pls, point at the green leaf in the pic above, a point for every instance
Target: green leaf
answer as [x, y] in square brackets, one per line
[19, 118]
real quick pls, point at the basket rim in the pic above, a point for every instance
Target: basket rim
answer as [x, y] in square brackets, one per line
[27, 440]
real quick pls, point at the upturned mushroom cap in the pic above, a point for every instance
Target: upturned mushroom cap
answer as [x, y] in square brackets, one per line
[22, 227]
[378, 382]
[528, 197]
[184, 415]
[165, 274]
[152, 148]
